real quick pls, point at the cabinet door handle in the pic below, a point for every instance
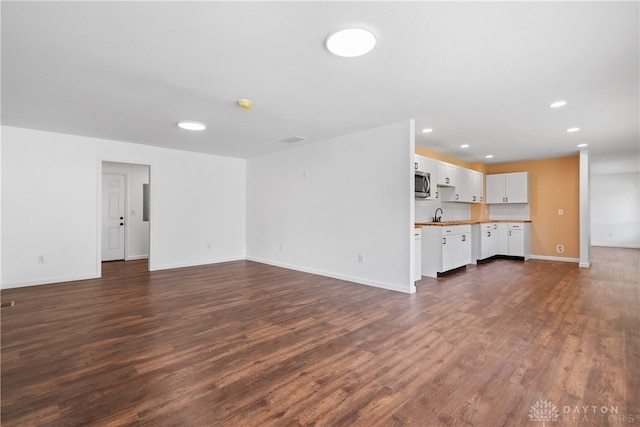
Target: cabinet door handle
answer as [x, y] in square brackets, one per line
[506, 199]
[474, 198]
[436, 194]
[446, 180]
[509, 232]
[444, 240]
[415, 165]
[457, 196]
[488, 234]
[480, 198]
[464, 238]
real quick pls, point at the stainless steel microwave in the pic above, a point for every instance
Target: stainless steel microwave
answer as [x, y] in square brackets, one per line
[423, 185]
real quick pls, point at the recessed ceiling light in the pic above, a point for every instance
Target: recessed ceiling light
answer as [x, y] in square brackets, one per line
[464, 146]
[189, 125]
[582, 145]
[489, 156]
[351, 42]
[427, 130]
[573, 130]
[558, 104]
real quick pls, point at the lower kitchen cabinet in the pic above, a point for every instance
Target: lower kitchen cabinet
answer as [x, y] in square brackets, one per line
[513, 239]
[488, 240]
[519, 240]
[445, 248]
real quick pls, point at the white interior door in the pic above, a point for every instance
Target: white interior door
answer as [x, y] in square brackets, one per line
[113, 194]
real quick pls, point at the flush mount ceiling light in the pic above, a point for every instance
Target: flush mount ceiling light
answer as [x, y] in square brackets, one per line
[489, 156]
[582, 145]
[573, 130]
[427, 130]
[557, 104]
[464, 146]
[351, 42]
[191, 125]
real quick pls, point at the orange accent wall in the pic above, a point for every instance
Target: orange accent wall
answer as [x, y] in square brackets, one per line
[553, 184]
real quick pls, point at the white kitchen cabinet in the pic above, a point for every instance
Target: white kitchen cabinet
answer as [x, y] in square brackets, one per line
[446, 174]
[508, 188]
[417, 268]
[468, 187]
[419, 163]
[445, 248]
[477, 187]
[462, 191]
[503, 238]
[488, 240]
[520, 240]
[514, 239]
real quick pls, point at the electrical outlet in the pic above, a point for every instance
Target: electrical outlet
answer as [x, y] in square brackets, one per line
[560, 211]
[42, 259]
[560, 249]
[361, 258]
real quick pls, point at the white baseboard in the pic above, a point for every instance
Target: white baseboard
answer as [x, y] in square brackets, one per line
[358, 280]
[136, 257]
[555, 258]
[608, 245]
[49, 281]
[193, 264]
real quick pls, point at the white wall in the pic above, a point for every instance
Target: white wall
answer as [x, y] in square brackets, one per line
[137, 230]
[615, 210]
[317, 207]
[50, 198]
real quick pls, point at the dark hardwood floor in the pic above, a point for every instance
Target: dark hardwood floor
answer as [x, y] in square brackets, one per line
[245, 344]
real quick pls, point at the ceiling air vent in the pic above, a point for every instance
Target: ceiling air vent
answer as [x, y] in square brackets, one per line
[293, 139]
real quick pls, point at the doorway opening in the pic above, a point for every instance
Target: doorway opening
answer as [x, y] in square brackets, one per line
[125, 214]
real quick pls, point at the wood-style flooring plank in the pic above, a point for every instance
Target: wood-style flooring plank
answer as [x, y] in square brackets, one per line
[247, 344]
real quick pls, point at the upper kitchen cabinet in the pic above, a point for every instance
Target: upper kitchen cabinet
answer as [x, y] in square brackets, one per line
[508, 188]
[477, 187]
[420, 163]
[446, 174]
[469, 186]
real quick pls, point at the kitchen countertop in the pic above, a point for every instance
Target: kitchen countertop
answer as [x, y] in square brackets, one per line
[466, 222]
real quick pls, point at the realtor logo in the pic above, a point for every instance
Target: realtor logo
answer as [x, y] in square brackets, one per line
[544, 411]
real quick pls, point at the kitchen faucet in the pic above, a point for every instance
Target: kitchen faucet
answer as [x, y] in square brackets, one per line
[438, 218]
